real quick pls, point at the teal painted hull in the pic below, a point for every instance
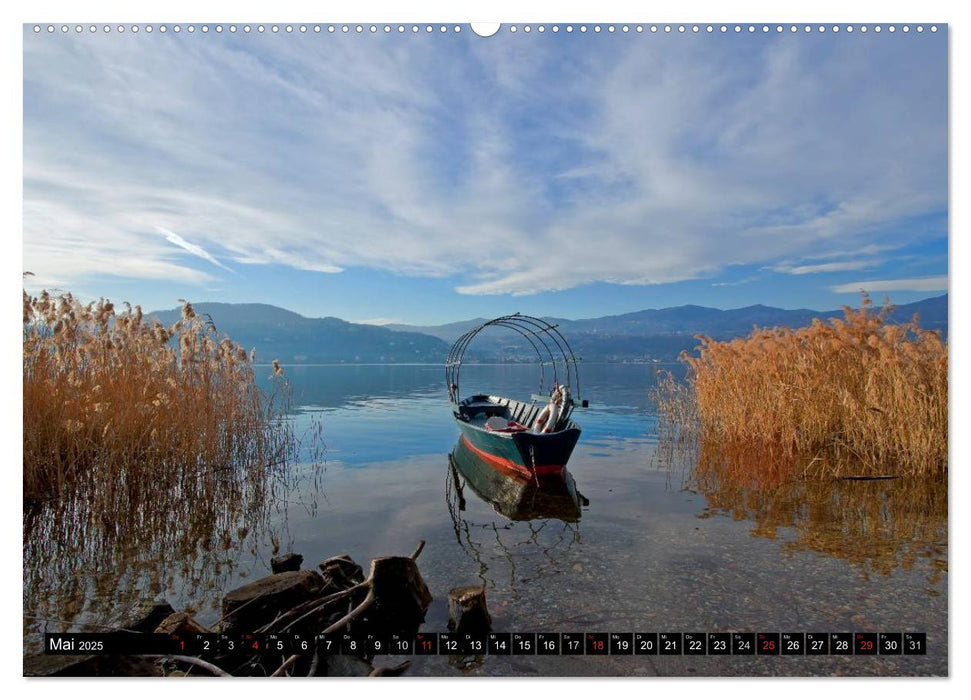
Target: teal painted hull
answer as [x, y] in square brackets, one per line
[526, 453]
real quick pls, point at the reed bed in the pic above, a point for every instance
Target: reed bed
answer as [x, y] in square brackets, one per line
[131, 406]
[849, 397]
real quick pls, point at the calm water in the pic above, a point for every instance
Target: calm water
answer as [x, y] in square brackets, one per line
[650, 551]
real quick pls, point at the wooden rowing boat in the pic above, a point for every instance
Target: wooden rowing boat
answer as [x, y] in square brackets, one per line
[531, 439]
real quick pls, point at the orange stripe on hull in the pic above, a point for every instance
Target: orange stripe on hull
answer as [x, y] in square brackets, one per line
[509, 465]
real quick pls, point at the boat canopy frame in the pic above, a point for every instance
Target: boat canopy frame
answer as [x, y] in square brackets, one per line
[549, 344]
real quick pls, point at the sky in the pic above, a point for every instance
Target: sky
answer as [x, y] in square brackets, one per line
[432, 177]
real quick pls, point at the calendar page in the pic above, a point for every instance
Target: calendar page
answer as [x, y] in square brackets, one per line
[523, 349]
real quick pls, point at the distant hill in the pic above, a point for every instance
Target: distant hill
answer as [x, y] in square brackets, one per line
[932, 313]
[663, 333]
[291, 338]
[448, 332]
[652, 334]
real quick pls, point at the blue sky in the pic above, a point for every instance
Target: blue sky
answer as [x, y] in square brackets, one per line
[433, 177]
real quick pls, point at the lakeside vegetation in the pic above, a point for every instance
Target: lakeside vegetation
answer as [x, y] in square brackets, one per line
[151, 457]
[857, 396]
[130, 404]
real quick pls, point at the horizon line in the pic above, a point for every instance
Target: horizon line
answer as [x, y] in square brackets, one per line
[586, 318]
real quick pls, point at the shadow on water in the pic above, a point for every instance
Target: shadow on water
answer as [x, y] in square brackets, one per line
[539, 520]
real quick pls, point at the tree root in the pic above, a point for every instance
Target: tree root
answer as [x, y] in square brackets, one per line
[192, 661]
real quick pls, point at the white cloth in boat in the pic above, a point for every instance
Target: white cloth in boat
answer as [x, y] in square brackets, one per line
[496, 423]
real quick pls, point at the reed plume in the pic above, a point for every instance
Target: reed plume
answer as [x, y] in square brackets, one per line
[122, 400]
[857, 395]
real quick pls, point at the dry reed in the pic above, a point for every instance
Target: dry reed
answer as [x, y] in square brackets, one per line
[133, 406]
[854, 396]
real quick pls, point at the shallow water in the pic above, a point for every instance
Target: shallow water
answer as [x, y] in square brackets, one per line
[651, 550]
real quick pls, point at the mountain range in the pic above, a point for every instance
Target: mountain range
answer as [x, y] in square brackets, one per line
[651, 334]
[291, 338]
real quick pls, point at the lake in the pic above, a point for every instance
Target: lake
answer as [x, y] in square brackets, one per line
[650, 550]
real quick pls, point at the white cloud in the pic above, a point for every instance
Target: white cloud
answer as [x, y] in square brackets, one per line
[196, 250]
[824, 267]
[635, 162]
[919, 284]
[736, 283]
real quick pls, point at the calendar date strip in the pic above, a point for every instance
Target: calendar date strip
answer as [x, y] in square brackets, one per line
[499, 644]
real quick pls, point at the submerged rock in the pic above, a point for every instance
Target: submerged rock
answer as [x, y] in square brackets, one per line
[253, 605]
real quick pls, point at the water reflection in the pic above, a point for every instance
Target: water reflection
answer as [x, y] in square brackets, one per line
[622, 388]
[878, 524]
[406, 405]
[85, 564]
[513, 496]
[539, 520]
[342, 386]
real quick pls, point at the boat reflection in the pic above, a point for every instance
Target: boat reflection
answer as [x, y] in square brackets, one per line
[515, 496]
[538, 523]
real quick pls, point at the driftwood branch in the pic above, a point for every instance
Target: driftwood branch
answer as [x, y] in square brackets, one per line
[365, 604]
[192, 661]
[235, 611]
[322, 603]
[291, 660]
[394, 591]
[315, 664]
[315, 606]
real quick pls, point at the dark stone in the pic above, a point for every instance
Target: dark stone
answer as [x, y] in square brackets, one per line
[181, 623]
[253, 605]
[144, 616]
[286, 562]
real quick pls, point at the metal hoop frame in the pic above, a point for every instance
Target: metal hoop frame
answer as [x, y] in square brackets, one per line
[548, 343]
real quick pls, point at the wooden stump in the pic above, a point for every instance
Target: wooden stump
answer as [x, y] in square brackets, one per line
[467, 611]
[400, 594]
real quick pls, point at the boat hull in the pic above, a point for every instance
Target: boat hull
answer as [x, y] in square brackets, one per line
[525, 453]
